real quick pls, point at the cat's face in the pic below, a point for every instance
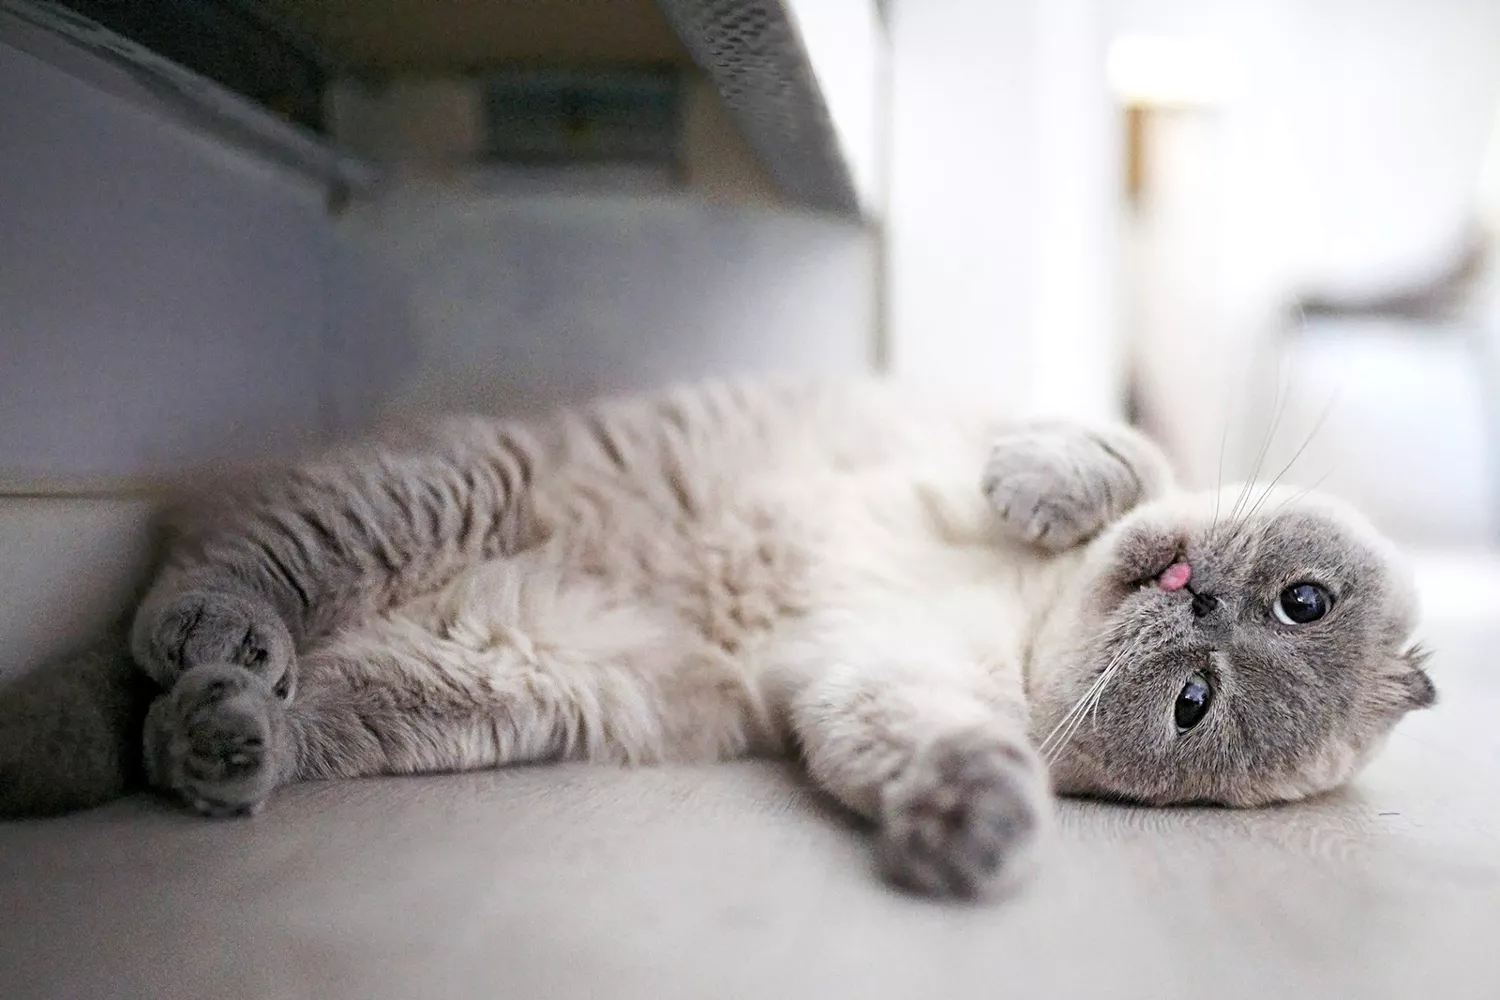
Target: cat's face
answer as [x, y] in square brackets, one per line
[1273, 674]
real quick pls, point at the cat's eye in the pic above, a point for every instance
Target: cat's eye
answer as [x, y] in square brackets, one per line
[1192, 703]
[1302, 603]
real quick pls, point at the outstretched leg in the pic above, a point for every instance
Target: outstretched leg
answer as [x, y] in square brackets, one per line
[1056, 485]
[261, 572]
[928, 745]
[503, 667]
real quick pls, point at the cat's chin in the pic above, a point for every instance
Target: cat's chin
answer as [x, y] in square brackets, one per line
[1075, 776]
[1080, 777]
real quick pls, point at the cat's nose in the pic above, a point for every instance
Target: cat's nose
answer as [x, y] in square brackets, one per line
[1203, 603]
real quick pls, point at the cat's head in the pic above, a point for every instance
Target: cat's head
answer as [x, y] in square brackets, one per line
[1273, 674]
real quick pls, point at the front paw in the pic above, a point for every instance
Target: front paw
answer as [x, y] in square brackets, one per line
[197, 627]
[217, 740]
[1056, 486]
[963, 816]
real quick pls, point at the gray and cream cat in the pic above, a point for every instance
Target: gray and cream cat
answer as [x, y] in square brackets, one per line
[945, 616]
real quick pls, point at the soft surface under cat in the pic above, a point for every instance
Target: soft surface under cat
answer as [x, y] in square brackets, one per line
[946, 616]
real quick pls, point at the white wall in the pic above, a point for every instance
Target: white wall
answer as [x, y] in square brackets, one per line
[524, 301]
[72, 564]
[1001, 215]
[168, 303]
[1355, 144]
[163, 297]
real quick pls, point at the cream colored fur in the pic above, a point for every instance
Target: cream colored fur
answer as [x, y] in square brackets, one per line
[838, 564]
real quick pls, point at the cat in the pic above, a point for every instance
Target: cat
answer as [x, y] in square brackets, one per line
[947, 616]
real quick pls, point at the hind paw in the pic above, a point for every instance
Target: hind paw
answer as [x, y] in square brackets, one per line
[198, 627]
[217, 740]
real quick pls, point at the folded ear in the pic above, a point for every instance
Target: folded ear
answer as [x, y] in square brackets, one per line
[1413, 688]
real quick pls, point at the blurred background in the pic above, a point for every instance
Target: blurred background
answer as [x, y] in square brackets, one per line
[230, 229]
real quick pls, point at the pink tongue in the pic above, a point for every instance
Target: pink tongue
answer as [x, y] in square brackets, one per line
[1175, 576]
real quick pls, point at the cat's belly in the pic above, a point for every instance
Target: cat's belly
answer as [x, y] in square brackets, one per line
[641, 654]
[652, 623]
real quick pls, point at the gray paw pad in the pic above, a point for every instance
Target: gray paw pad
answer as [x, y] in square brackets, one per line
[956, 821]
[216, 740]
[1057, 487]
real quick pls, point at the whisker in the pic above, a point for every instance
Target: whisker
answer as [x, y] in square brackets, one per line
[1322, 419]
[1278, 407]
[1065, 721]
[1052, 742]
[1109, 675]
[1085, 708]
[1117, 632]
[1057, 748]
[1223, 444]
[1302, 493]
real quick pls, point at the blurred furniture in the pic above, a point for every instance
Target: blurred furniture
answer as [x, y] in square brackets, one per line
[196, 187]
[799, 78]
[1414, 371]
[1419, 361]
